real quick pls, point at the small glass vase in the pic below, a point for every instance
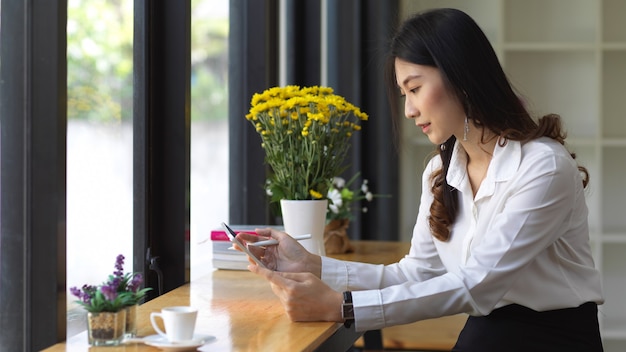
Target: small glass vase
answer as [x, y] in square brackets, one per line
[106, 328]
[130, 329]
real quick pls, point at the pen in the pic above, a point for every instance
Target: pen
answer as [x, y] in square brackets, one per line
[274, 242]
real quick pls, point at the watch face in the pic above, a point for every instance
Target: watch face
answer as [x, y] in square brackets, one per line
[348, 311]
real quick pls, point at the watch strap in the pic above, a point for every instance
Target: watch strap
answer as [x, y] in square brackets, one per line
[347, 309]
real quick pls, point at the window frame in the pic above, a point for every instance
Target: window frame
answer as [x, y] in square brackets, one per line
[161, 141]
[33, 178]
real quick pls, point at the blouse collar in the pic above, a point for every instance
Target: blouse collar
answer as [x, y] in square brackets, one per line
[504, 164]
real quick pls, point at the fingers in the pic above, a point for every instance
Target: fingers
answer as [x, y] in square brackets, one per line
[278, 277]
[266, 273]
[267, 232]
[258, 251]
[248, 237]
[273, 233]
[251, 261]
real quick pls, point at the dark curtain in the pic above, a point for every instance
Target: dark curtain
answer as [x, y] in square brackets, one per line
[358, 34]
[356, 39]
[253, 64]
[302, 42]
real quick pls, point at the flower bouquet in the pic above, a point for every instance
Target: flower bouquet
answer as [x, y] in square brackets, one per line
[305, 133]
[108, 304]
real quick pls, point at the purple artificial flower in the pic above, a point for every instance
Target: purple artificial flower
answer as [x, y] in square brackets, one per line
[133, 286]
[119, 266]
[76, 292]
[84, 294]
[109, 292]
[116, 293]
[115, 284]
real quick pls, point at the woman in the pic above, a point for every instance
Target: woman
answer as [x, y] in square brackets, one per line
[501, 231]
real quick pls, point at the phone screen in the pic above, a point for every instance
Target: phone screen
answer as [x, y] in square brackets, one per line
[231, 234]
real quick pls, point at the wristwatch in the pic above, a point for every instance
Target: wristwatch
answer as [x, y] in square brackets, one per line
[347, 309]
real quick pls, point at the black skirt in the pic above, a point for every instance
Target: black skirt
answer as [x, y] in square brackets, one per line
[516, 328]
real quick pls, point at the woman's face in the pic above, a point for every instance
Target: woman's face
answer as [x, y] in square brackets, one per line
[427, 100]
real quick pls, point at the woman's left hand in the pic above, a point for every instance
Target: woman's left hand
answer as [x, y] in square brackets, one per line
[303, 295]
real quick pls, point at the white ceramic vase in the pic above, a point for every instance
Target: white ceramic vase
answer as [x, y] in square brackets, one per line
[303, 217]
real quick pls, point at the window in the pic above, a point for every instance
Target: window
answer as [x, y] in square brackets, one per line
[34, 140]
[99, 144]
[100, 139]
[209, 127]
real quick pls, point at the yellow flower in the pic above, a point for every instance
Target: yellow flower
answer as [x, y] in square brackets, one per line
[315, 194]
[305, 135]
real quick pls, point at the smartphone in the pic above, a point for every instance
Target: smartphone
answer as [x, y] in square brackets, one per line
[231, 234]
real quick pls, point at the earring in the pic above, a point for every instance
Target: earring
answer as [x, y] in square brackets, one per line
[442, 147]
[466, 129]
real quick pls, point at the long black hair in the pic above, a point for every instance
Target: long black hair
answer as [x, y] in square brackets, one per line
[452, 41]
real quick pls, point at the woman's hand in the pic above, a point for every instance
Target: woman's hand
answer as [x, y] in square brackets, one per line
[304, 296]
[287, 256]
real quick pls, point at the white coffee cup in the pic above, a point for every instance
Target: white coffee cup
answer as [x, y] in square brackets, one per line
[179, 322]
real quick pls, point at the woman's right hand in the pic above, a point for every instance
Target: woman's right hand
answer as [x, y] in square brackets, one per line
[287, 256]
[304, 296]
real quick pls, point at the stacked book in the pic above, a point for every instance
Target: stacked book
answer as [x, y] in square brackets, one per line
[224, 256]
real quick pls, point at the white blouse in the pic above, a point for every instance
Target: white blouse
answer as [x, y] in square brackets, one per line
[523, 239]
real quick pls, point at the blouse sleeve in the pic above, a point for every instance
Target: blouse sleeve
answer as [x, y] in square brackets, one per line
[534, 211]
[420, 264]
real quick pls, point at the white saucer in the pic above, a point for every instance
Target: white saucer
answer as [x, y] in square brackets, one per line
[162, 342]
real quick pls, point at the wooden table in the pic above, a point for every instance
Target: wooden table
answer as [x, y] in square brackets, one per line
[241, 311]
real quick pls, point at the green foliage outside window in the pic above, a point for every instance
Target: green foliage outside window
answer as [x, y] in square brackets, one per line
[100, 61]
